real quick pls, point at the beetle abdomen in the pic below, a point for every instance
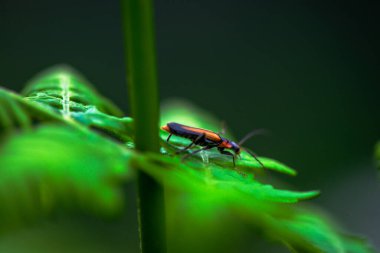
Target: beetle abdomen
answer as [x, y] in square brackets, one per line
[193, 133]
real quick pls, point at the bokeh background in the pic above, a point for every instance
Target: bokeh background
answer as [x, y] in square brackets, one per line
[309, 71]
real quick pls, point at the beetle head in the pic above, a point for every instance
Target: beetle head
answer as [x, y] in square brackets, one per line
[235, 147]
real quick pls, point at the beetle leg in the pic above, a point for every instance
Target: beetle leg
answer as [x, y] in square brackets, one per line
[170, 135]
[199, 138]
[197, 151]
[222, 151]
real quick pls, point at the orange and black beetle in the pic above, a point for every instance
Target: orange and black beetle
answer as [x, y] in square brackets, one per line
[207, 139]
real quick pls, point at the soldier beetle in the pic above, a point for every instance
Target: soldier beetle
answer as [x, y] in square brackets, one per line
[208, 140]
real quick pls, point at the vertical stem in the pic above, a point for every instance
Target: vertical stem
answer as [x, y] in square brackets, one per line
[142, 82]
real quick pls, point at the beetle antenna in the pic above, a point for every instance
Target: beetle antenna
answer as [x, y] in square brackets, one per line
[251, 134]
[254, 156]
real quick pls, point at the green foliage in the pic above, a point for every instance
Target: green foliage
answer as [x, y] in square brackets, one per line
[65, 149]
[303, 229]
[63, 88]
[50, 154]
[54, 168]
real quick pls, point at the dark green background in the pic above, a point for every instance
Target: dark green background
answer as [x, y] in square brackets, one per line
[309, 71]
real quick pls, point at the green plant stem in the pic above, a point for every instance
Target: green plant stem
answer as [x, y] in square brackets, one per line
[142, 82]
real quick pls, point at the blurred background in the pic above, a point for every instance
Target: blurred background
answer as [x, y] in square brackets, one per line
[309, 71]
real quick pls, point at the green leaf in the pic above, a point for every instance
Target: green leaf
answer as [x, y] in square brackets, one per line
[59, 95]
[16, 112]
[356, 245]
[55, 169]
[69, 93]
[319, 233]
[67, 90]
[209, 188]
[213, 185]
[62, 94]
[11, 114]
[187, 114]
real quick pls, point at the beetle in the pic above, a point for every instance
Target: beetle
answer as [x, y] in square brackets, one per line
[208, 140]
